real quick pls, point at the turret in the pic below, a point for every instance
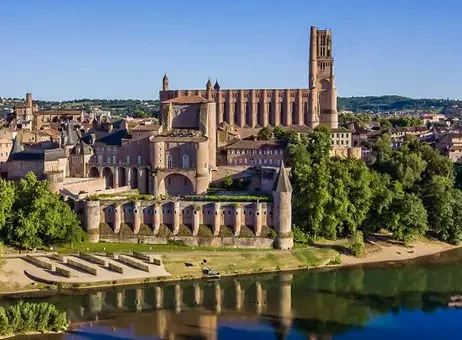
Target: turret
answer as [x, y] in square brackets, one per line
[216, 87]
[208, 86]
[29, 99]
[165, 82]
[283, 210]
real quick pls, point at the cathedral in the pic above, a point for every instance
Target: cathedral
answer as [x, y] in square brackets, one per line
[256, 108]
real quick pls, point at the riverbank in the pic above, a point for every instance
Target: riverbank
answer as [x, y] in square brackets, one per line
[181, 265]
[187, 264]
[380, 252]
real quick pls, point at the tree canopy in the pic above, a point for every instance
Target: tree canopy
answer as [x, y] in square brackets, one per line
[31, 215]
[410, 190]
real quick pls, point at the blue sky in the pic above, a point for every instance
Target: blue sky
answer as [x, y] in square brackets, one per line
[63, 49]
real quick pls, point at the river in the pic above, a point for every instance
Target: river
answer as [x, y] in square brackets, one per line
[407, 300]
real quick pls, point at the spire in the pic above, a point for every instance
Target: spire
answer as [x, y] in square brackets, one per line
[70, 135]
[216, 86]
[17, 147]
[283, 180]
[165, 82]
[208, 86]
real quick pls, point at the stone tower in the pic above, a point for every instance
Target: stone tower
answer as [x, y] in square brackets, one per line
[282, 214]
[323, 94]
[165, 82]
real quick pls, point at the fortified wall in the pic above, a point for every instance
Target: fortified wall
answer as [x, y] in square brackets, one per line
[193, 222]
[240, 224]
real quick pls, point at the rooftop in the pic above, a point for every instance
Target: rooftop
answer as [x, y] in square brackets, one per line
[38, 155]
[255, 144]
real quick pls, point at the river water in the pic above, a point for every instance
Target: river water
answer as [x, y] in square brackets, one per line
[415, 300]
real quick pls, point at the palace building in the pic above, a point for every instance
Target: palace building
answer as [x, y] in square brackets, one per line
[256, 108]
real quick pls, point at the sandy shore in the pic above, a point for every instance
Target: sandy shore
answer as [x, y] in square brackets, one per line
[13, 278]
[392, 253]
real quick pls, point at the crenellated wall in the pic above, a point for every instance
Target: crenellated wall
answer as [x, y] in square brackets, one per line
[245, 224]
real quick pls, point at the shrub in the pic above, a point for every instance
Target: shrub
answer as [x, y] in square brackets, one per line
[24, 317]
[205, 231]
[164, 231]
[184, 231]
[126, 230]
[335, 261]
[145, 230]
[357, 245]
[299, 235]
[267, 232]
[224, 198]
[176, 243]
[105, 229]
[226, 231]
[246, 232]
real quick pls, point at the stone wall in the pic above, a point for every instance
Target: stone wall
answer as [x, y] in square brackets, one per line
[245, 224]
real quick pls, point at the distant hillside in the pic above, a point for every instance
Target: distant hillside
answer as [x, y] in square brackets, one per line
[390, 103]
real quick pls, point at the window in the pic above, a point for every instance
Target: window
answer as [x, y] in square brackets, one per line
[169, 162]
[185, 161]
[108, 159]
[114, 159]
[139, 160]
[128, 159]
[100, 159]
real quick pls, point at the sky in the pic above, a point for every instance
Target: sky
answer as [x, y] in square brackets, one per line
[63, 49]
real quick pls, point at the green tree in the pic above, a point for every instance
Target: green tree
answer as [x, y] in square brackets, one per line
[7, 197]
[407, 218]
[278, 132]
[265, 133]
[442, 202]
[40, 217]
[138, 113]
[357, 243]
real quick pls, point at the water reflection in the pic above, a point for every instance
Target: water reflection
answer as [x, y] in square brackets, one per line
[309, 304]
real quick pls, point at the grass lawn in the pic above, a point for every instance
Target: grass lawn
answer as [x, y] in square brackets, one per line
[224, 260]
[160, 248]
[232, 262]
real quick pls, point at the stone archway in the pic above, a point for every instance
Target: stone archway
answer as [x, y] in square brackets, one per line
[133, 178]
[94, 172]
[108, 177]
[122, 177]
[176, 184]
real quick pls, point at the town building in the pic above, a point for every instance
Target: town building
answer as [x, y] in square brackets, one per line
[256, 108]
[255, 152]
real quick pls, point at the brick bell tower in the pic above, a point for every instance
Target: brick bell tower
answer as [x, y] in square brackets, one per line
[323, 94]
